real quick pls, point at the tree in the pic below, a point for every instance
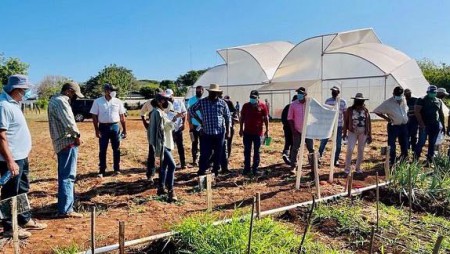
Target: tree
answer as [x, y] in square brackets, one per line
[118, 76]
[50, 85]
[435, 74]
[10, 66]
[148, 88]
[190, 77]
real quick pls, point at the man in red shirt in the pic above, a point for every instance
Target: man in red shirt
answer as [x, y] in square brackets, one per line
[254, 115]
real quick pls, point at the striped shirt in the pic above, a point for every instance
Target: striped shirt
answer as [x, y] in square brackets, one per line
[215, 114]
[342, 108]
[63, 128]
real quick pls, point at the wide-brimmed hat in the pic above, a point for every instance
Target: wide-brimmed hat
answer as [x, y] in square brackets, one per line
[17, 81]
[359, 96]
[442, 90]
[213, 88]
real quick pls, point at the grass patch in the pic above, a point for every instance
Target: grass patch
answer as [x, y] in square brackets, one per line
[71, 249]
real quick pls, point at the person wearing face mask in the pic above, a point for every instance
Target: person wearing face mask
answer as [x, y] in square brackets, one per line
[287, 132]
[429, 114]
[296, 115]
[395, 111]
[215, 122]
[107, 111]
[358, 126]
[159, 134]
[178, 107]
[66, 140]
[194, 131]
[412, 124]
[335, 91]
[254, 115]
[15, 146]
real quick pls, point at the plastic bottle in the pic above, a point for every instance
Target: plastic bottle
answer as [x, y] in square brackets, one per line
[5, 178]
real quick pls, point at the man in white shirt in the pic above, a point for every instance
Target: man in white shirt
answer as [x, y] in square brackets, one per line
[106, 112]
[395, 111]
[178, 107]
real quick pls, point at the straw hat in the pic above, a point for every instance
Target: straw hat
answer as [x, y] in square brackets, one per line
[214, 88]
[359, 96]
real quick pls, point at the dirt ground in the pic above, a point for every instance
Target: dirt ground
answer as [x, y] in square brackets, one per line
[129, 197]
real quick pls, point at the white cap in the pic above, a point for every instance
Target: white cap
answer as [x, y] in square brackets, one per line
[169, 92]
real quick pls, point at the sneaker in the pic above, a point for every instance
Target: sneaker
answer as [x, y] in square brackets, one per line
[23, 234]
[71, 215]
[336, 164]
[171, 196]
[286, 159]
[150, 179]
[116, 173]
[100, 175]
[161, 191]
[34, 225]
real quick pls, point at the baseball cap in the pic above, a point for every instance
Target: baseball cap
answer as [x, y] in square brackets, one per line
[442, 90]
[432, 89]
[169, 92]
[398, 90]
[301, 90]
[74, 86]
[109, 87]
[335, 88]
[17, 81]
[254, 94]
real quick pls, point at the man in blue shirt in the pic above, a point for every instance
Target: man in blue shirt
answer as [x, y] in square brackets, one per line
[194, 124]
[15, 146]
[215, 127]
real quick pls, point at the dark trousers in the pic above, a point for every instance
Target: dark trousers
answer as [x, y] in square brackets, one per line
[400, 132]
[208, 144]
[167, 170]
[250, 140]
[230, 142]
[195, 141]
[15, 186]
[151, 161]
[287, 139]
[413, 127]
[324, 142]
[109, 132]
[178, 139]
[431, 132]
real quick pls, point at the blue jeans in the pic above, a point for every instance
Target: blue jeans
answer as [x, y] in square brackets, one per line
[109, 132]
[249, 140]
[67, 171]
[15, 186]
[400, 132]
[431, 131]
[209, 143]
[413, 127]
[167, 171]
[324, 142]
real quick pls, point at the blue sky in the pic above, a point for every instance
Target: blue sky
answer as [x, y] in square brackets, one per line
[163, 39]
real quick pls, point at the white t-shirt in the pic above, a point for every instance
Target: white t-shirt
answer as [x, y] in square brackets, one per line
[178, 107]
[108, 111]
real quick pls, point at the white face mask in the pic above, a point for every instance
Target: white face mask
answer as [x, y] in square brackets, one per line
[113, 94]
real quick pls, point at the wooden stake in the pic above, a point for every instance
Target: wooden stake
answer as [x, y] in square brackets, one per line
[316, 174]
[386, 163]
[209, 192]
[350, 184]
[251, 226]
[409, 194]
[378, 200]
[372, 234]
[15, 225]
[437, 245]
[121, 237]
[302, 144]
[258, 205]
[201, 182]
[307, 224]
[93, 230]
[334, 137]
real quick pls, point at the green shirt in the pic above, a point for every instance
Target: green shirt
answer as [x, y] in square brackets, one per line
[431, 108]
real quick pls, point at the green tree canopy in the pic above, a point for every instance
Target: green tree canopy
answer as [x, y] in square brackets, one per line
[438, 75]
[10, 66]
[119, 76]
[50, 85]
[148, 88]
[190, 77]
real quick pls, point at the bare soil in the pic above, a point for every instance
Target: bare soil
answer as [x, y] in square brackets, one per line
[129, 197]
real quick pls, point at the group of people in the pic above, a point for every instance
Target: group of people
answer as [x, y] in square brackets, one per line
[211, 121]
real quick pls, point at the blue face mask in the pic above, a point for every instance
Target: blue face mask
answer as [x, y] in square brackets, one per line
[432, 95]
[26, 95]
[398, 98]
[253, 100]
[300, 96]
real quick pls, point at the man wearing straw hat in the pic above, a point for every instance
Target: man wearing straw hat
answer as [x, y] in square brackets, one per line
[15, 146]
[66, 140]
[215, 124]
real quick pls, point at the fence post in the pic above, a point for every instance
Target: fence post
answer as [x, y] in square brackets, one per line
[437, 245]
[258, 205]
[209, 192]
[251, 227]
[350, 184]
[378, 200]
[386, 163]
[316, 174]
[15, 225]
[93, 230]
[121, 237]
